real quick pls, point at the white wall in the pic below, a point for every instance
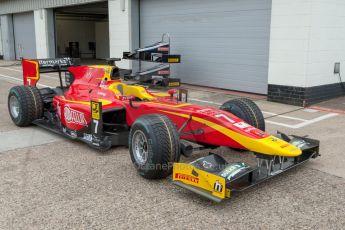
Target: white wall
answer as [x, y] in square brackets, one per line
[75, 31]
[44, 33]
[7, 37]
[290, 25]
[123, 34]
[102, 40]
[326, 43]
[307, 37]
[1, 52]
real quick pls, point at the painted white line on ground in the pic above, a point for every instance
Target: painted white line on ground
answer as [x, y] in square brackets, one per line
[324, 117]
[283, 116]
[17, 70]
[297, 126]
[209, 102]
[270, 113]
[280, 124]
[21, 80]
[305, 123]
[310, 110]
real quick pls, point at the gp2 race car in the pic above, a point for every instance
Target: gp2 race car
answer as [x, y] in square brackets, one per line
[96, 107]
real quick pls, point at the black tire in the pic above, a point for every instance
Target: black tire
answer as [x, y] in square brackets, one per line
[247, 110]
[163, 146]
[30, 104]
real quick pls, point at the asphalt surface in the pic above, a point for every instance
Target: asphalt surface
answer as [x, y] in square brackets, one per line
[48, 182]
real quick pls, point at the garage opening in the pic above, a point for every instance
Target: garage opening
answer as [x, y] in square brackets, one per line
[82, 31]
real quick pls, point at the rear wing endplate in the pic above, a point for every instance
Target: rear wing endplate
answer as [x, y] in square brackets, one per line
[33, 67]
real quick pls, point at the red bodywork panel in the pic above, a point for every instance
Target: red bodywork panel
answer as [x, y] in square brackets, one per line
[202, 124]
[74, 109]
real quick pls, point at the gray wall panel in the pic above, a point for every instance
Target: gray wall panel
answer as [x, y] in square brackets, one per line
[223, 43]
[7, 37]
[24, 33]
[15, 6]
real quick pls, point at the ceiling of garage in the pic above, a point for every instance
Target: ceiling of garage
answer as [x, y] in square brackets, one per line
[95, 11]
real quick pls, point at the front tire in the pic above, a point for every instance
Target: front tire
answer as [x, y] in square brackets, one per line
[24, 105]
[247, 110]
[154, 146]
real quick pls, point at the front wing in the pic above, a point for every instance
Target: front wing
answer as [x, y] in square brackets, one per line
[205, 176]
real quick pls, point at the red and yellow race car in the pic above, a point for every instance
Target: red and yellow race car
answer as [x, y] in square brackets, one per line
[95, 106]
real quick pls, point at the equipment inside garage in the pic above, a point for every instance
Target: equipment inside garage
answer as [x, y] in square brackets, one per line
[82, 31]
[223, 43]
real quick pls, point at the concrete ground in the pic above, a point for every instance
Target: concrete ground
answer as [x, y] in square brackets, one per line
[336, 104]
[48, 182]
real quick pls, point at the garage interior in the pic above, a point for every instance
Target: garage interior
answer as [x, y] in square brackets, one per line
[83, 32]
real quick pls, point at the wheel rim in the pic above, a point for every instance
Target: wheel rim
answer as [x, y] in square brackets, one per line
[14, 106]
[140, 147]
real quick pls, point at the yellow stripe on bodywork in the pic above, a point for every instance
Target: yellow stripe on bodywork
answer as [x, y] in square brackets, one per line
[269, 145]
[160, 94]
[168, 105]
[104, 102]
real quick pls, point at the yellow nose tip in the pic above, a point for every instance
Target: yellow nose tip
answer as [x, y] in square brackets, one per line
[275, 147]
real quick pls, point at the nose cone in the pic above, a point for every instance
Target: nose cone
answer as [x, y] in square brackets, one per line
[276, 147]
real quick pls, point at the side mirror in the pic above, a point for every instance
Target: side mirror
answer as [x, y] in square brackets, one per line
[171, 92]
[69, 78]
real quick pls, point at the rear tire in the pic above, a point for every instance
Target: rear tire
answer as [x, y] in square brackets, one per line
[247, 110]
[25, 105]
[154, 146]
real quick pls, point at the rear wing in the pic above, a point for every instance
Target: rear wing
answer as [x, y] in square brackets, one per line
[158, 52]
[33, 67]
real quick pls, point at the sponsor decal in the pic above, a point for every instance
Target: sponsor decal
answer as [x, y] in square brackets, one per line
[87, 137]
[299, 143]
[206, 164]
[259, 132]
[242, 125]
[171, 84]
[250, 129]
[122, 98]
[96, 110]
[284, 146]
[274, 139]
[218, 187]
[73, 134]
[220, 115]
[101, 94]
[74, 116]
[163, 48]
[173, 60]
[164, 72]
[233, 170]
[190, 178]
[54, 62]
